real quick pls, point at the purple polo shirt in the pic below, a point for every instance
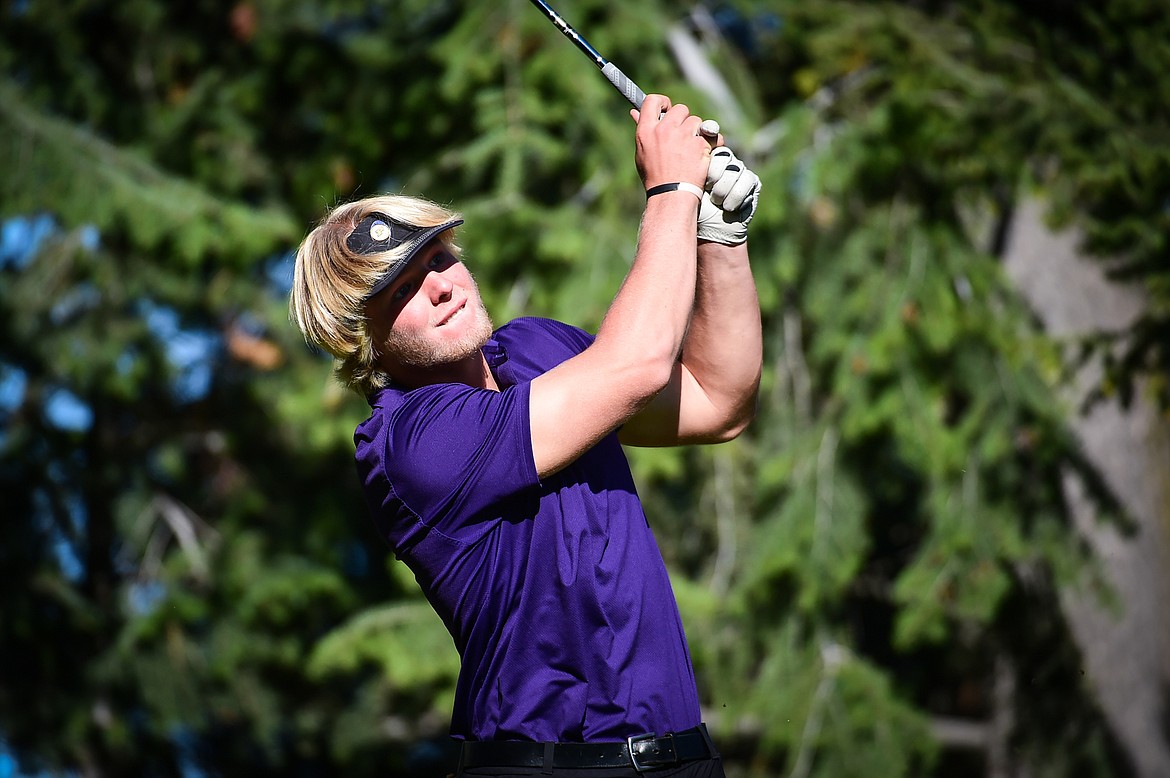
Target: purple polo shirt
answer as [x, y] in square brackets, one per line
[554, 591]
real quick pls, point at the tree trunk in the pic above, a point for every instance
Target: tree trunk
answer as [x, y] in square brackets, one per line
[1126, 653]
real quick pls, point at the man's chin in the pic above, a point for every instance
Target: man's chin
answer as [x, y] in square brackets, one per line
[420, 353]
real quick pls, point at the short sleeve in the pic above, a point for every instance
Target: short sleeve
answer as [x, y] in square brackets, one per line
[450, 454]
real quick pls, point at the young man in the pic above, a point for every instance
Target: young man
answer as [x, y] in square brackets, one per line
[492, 462]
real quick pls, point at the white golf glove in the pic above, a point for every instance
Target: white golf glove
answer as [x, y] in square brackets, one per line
[728, 205]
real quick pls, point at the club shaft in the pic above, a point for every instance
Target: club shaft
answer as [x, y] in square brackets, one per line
[620, 81]
[570, 33]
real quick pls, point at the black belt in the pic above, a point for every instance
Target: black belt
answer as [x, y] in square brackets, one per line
[641, 752]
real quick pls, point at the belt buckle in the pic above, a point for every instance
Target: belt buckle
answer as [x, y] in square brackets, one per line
[659, 759]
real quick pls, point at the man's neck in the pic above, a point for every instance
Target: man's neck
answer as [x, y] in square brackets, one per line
[473, 371]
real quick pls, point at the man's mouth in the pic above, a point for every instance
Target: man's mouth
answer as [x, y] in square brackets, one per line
[455, 311]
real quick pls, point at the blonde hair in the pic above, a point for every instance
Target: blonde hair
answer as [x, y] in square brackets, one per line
[331, 282]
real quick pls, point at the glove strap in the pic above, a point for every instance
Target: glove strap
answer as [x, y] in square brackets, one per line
[686, 186]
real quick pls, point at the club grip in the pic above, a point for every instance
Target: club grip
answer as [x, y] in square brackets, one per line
[624, 85]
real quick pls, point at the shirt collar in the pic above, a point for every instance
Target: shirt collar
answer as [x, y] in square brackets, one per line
[493, 351]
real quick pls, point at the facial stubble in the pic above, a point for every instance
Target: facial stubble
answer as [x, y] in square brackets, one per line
[413, 349]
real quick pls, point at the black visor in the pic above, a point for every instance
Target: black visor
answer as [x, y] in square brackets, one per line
[378, 232]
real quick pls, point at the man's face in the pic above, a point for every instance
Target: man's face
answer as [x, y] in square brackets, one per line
[431, 315]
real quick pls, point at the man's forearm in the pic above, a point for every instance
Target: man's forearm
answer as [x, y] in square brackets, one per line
[648, 317]
[723, 349]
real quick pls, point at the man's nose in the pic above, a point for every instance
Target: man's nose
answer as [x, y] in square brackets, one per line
[438, 286]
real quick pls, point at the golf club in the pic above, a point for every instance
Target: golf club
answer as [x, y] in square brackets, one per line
[628, 88]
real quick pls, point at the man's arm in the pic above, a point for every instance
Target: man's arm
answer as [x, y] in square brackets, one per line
[577, 403]
[712, 393]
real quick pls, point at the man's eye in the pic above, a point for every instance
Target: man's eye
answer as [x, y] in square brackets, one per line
[439, 260]
[403, 291]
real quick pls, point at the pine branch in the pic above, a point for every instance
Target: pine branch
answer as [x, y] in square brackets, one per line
[54, 166]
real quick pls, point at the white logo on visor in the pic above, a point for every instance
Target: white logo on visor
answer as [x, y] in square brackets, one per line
[379, 230]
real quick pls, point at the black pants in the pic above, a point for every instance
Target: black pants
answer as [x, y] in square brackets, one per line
[702, 768]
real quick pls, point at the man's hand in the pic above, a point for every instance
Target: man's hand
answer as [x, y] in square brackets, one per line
[668, 146]
[729, 203]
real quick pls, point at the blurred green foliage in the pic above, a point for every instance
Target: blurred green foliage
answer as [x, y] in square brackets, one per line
[188, 572]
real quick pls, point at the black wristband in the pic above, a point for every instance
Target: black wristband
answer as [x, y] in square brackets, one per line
[674, 187]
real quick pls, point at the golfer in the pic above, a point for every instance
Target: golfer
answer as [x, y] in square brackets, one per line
[492, 460]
